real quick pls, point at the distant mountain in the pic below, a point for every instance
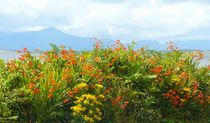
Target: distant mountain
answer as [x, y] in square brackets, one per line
[193, 44]
[181, 44]
[151, 44]
[41, 39]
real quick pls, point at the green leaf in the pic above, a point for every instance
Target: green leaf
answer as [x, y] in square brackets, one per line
[151, 76]
[154, 89]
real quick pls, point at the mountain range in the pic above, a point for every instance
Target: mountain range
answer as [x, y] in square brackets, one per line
[41, 39]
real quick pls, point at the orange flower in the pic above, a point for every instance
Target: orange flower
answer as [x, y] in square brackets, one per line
[88, 67]
[73, 61]
[168, 73]
[66, 101]
[31, 85]
[183, 75]
[106, 91]
[63, 52]
[53, 82]
[55, 56]
[76, 90]
[51, 90]
[109, 64]
[22, 58]
[97, 59]
[100, 80]
[36, 91]
[30, 63]
[124, 48]
[209, 67]
[117, 49]
[93, 86]
[70, 93]
[157, 69]
[25, 49]
[124, 105]
[49, 96]
[82, 58]
[117, 100]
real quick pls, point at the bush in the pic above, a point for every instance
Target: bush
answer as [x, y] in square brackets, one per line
[115, 84]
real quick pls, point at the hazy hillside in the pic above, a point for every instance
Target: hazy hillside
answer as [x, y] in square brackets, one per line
[152, 44]
[194, 44]
[41, 39]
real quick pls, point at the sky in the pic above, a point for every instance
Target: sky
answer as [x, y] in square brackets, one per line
[114, 19]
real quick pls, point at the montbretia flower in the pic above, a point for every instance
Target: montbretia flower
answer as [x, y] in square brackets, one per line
[31, 85]
[36, 91]
[97, 59]
[66, 101]
[50, 96]
[25, 50]
[157, 69]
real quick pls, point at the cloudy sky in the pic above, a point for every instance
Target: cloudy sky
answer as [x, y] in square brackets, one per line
[116, 19]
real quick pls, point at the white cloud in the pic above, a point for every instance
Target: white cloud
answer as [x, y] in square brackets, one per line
[29, 28]
[118, 19]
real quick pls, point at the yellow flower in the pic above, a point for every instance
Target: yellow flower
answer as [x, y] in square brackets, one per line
[97, 117]
[98, 103]
[78, 108]
[81, 85]
[88, 119]
[183, 100]
[97, 109]
[89, 96]
[86, 102]
[176, 79]
[92, 104]
[90, 112]
[79, 100]
[101, 96]
[74, 114]
[187, 89]
[99, 85]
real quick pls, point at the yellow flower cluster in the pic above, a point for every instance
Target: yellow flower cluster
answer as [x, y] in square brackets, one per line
[87, 107]
[87, 98]
[78, 109]
[81, 85]
[88, 119]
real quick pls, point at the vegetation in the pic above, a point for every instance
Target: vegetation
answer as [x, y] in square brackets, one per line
[107, 85]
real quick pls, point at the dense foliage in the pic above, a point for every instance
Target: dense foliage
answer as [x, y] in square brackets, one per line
[116, 84]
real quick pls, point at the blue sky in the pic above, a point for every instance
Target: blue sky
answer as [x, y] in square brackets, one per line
[116, 19]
